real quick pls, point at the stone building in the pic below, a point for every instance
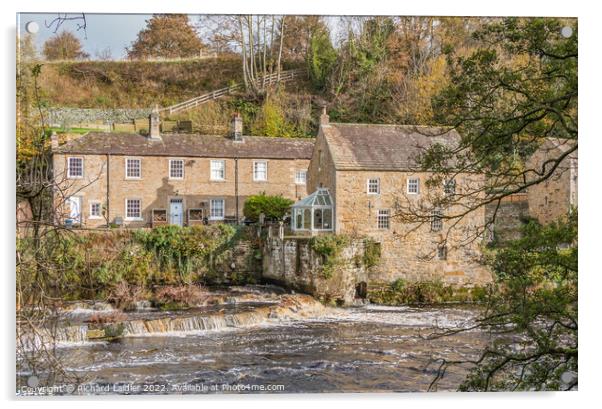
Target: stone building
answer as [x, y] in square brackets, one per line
[363, 174]
[557, 195]
[138, 181]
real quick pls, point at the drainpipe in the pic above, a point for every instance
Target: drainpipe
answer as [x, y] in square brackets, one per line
[236, 188]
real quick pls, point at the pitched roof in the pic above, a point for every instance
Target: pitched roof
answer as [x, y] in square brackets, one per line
[194, 145]
[382, 147]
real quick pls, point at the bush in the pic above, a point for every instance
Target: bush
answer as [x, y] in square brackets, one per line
[273, 207]
[330, 248]
[401, 292]
[185, 249]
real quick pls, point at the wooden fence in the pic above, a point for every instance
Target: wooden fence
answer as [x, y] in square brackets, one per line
[265, 80]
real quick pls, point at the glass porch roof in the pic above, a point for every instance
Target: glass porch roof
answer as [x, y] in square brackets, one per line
[320, 197]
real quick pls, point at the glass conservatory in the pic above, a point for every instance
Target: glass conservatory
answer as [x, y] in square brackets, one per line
[313, 213]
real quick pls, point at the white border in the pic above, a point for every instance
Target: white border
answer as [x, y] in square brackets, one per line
[590, 32]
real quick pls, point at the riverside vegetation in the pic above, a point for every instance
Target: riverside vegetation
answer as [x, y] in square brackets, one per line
[123, 267]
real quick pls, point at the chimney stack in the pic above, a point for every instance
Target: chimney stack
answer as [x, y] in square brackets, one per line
[236, 127]
[324, 118]
[154, 124]
[54, 141]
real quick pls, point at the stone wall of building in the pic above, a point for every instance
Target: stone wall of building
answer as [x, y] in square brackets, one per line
[291, 262]
[155, 188]
[508, 217]
[554, 197]
[410, 251]
[321, 168]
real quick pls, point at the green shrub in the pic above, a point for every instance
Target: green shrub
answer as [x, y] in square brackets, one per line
[273, 207]
[330, 248]
[372, 252]
[185, 249]
[402, 292]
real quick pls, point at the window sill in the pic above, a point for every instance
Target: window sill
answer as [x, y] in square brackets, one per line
[170, 178]
[127, 178]
[133, 219]
[75, 177]
[217, 180]
[95, 218]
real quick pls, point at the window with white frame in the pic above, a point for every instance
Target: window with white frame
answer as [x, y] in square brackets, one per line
[260, 171]
[133, 209]
[413, 186]
[383, 219]
[95, 210]
[449, 187]
[176, 169]
[373, 186]
[436, 220]
[218, 170]
[133, 168]
[301, 177]
[75, 168]
[216, 209]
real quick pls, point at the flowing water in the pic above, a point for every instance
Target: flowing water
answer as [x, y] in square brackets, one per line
[253, 347]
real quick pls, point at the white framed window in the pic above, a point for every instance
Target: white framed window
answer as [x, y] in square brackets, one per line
[449, 187]
[217, 209]
[133, 168]
[413, 186]
[218, 170]
[301, 177]
[436, 220]
[133, 209]
[260, 171]
[75, 167]
[373, 186]
[176, 168]
[95, 210]
[383, 219]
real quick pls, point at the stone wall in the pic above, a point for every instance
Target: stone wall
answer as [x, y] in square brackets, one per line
[69, 117]
[553, 198]
[509, 217]
[292, 262]
[409, 250]
[155, 188]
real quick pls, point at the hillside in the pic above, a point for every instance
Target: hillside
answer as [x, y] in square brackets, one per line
[134, 84]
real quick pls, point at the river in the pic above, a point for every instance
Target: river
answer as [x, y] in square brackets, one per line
[357, 349]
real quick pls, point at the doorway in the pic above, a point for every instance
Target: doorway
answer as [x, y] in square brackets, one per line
[176, 212]
[75, 209]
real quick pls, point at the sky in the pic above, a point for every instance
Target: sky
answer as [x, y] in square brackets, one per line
[103, 31]
[113, 31]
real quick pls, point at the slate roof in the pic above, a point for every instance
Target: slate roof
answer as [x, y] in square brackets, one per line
[382, 147]
[192, 145]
